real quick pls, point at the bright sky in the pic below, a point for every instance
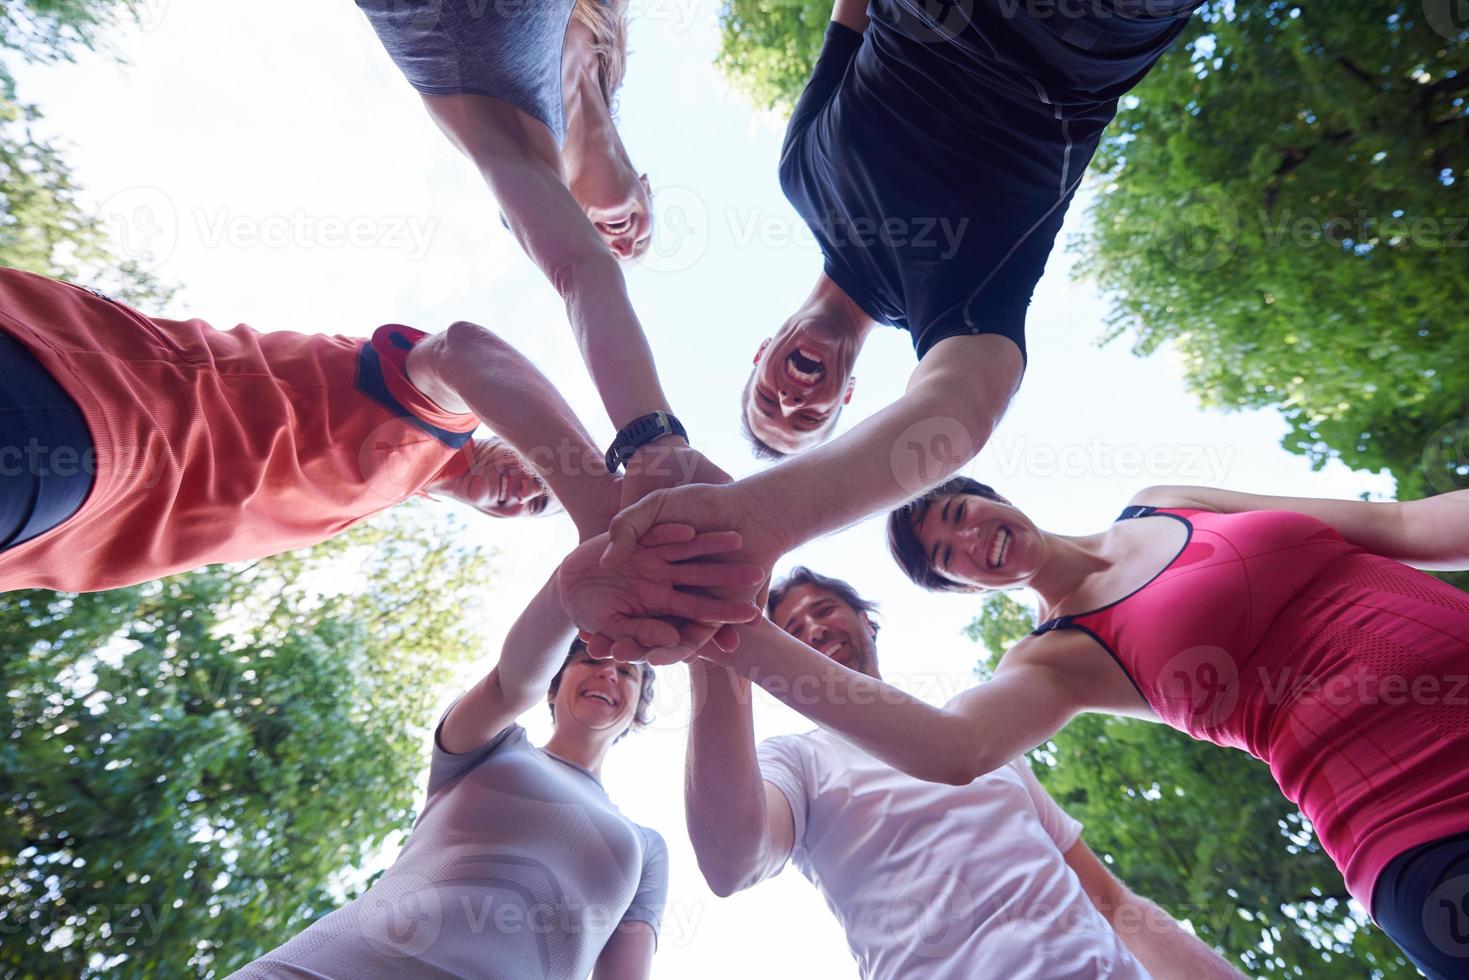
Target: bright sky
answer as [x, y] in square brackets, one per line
[271, 159]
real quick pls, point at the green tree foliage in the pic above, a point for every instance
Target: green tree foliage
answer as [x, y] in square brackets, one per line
[44, 227]
[1203, 831]
[1286, 202]
[767, 47]
[192, 768]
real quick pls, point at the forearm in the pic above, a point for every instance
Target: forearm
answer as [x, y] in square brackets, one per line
[1437, 532]
[923, 438]
[535, 648]
[1164, 948]
[906, 733]
[610, 338]
[723, 790]
[513, 398]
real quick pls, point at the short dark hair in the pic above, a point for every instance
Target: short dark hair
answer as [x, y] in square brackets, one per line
[641, 718]
[761, 448]
[801, 575]
[903, 524]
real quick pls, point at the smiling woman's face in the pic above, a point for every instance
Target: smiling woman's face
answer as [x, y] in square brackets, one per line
[599, 694]
[980, 542]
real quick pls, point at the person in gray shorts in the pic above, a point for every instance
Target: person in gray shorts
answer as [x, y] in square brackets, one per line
[525, 88]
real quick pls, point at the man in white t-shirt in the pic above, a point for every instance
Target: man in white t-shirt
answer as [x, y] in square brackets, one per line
[929, 881]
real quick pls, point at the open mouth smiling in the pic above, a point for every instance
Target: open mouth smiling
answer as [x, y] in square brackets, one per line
[805, 366]
[602, 696]
[999, 547]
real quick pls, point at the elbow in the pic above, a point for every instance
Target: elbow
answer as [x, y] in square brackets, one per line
[724, 878]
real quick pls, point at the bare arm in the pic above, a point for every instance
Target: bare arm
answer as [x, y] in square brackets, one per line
[955, 399]
[628, 955]
[469, 368]
[1429, 534]
[851, 13]
[1164, 948]
[1027, 702]
[741, 827]
[534, 650]
[554, 231]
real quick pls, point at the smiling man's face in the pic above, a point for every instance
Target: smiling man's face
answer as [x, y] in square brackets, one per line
[802, 378]
[823, 621]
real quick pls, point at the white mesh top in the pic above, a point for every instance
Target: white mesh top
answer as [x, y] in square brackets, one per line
[519, 868]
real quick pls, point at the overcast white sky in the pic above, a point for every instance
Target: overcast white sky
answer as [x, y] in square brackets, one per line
[271, 160]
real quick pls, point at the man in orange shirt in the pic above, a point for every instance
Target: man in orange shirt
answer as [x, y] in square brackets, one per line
[132, 447]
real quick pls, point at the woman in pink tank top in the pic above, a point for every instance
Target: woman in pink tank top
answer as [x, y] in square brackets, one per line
[1294, 629]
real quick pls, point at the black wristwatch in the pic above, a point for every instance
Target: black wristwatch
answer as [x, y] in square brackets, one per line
[638, 433]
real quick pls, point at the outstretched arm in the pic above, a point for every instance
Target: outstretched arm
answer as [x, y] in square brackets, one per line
[554, 231]
[741, 827]
[1164, 948]
[954, 401]
[469, 369]
[978, 731]
[1429, 534]
[534, 650]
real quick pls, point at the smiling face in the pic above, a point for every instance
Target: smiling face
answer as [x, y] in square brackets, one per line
[501, 485]
[619, 204]
[597, 696]
[823, 621]
[980, 543]
[803, 377]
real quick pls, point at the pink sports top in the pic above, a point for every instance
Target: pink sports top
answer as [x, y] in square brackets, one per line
[1346, 672]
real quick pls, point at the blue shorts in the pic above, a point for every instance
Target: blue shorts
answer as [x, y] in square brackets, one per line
[47, 461]
[1421, 900]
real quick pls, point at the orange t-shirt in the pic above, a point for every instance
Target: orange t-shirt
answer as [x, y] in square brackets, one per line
[218, 445]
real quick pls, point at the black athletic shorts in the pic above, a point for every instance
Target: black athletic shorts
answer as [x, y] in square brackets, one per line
[47, 461]
[1422, 902]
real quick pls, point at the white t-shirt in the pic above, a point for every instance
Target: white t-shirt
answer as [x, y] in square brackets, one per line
[938, 882]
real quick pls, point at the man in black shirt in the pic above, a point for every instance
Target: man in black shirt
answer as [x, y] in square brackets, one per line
[934, 154]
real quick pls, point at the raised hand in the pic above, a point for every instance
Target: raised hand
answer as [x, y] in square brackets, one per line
[630, 606]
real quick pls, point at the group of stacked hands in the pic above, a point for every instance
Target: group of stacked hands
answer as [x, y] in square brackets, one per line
[922, 826]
